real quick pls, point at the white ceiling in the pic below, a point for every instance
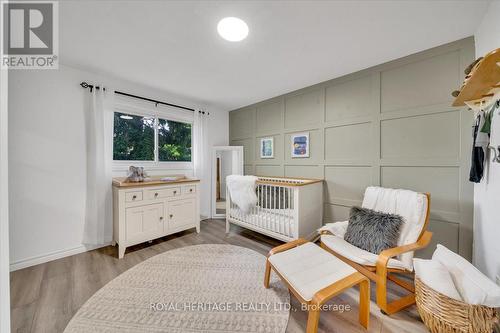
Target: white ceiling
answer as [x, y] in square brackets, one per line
[174, 45]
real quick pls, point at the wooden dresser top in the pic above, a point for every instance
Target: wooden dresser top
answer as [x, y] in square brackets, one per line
[154, 180]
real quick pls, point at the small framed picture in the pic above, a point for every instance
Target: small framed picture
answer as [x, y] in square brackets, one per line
[300, 144]
[267, 147]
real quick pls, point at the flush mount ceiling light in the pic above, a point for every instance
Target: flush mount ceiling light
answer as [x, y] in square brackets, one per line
[232, 29]
[127, 117]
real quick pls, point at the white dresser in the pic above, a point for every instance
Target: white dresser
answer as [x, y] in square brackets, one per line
[149, 210]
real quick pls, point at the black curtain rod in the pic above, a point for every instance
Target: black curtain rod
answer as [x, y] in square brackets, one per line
[86, 85]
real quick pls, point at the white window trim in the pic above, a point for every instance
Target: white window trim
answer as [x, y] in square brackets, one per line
[167, 113]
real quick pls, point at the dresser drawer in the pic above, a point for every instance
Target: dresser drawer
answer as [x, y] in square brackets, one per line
[133, 196]
[163, 193]
[188, 189]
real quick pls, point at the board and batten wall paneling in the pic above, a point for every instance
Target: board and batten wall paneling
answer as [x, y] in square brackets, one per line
[420, 83]
[350, 99]
[391, 125]
[349, 144]
[304, 108]
[269, 117]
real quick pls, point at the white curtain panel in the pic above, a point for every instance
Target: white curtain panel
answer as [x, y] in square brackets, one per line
[200, 152]
[99, 215]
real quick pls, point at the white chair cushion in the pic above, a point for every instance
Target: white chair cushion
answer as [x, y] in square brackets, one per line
[308, 269]
[360, 256]
[436, 276]
[412, 206]
[473, 286]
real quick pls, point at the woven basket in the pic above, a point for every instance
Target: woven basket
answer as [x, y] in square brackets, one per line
[442, 314]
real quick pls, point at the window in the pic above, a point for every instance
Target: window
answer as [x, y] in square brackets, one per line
[174, 141]
[149, 138]
[133, 138]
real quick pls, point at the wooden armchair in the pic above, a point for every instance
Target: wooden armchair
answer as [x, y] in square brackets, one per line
[398, 260]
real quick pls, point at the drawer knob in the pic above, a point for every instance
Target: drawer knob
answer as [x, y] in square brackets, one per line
[190, 190]
[171, 215]
[156, 194]
[134, 197]
[161, 217]
[175, 192]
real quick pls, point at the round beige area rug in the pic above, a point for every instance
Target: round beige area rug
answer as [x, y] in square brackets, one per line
[201, 288]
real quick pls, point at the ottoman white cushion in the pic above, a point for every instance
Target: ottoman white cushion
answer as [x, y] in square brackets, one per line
[308, 268]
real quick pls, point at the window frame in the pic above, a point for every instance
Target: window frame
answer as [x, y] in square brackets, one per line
[166, 113]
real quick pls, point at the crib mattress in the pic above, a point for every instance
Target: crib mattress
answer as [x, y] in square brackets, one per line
[277, 220]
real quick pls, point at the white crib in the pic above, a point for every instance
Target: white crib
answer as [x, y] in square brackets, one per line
[287, 208]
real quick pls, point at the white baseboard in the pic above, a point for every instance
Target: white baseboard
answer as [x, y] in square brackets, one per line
[36, 260]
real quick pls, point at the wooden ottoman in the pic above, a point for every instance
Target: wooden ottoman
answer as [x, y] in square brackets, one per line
[314, 276]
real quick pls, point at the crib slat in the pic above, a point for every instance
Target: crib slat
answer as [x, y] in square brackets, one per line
[256, 210]
[283, 211]
[288, 217]
[268, 190]
[263, 219]
[287, 210]
[271, 211]
[263, 216]
[279, 209]
[255, 217]
[274, 209]
[259, 221]
[269, 205]
[266, 205]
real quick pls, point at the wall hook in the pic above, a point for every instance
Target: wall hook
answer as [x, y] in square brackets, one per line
[496, 153]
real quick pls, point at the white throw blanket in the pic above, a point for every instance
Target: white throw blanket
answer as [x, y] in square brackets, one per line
[242, 191]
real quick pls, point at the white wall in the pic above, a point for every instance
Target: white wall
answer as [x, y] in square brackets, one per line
[4, 207]
[487, 193]
[47, 159]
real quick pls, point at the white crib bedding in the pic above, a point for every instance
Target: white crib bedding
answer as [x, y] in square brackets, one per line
[277, 220]
[279, 212]
[287, 213]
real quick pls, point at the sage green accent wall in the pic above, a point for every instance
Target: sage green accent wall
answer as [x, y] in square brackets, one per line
[391, 125]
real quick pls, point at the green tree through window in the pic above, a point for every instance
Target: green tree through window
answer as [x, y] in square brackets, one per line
[134, 139]
[174, 141]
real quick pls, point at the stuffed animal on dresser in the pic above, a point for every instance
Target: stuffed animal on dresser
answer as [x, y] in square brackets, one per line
[136, 174]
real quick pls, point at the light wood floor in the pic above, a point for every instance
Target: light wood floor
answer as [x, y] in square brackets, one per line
[46, 296]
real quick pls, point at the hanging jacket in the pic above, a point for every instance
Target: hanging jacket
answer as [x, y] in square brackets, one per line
[478, 149]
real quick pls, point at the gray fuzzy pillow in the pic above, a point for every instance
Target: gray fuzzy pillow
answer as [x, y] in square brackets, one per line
[373, 231]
